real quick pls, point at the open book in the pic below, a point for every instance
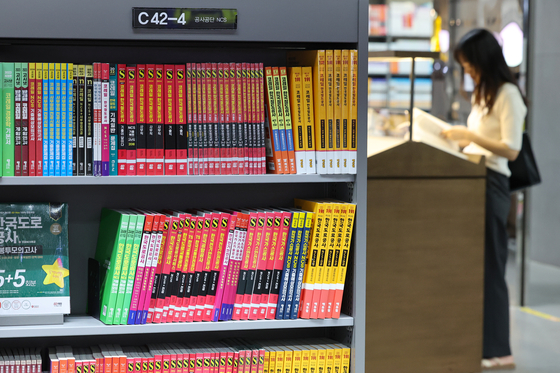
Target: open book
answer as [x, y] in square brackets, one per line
[427, 129]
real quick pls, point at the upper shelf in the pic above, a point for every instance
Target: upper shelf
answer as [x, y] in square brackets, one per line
[390, 55]
[88, 326]
[157, 180]
[278, 21]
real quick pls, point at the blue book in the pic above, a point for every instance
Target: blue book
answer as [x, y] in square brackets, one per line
[300, 271]
[69, 119]
[295, 267]
[52, 113]
[288, 263]
[63, 119]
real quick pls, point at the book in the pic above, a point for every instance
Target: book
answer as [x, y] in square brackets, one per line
[127, 253]
[261, 266]
[8, 91]
[47, 169]
[345, 113]
[170, 129]
[274, 147]
[220, 223]
[111, 242]
[122, 120]
[131, 120]
[286, 112]
[329, 100]
[304, 250]
[105, 121]
[97, 130]
[308, 117]
[316, 59]
[296, 107]
[24, 119]
[353, 113]
[113, 113]
[17, 119]
[138, 240]
[293, 284]
[150, 120]
[270, 261]
[70, 122]
[81, 117]
[337, 106]
[342, 267]
[141, 105]
[181, 120]
[39, 118]
[159, 97]
[57, 121]
[89, 125]
[153, 259]
[281, 122]
[243, 270]
[282, 241]
[64, 120]
[75, 114]
[226, 240]
[288, 265]
[32, 119]
[164, 227]
[34, 252]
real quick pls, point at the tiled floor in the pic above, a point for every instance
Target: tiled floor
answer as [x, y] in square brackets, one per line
[535, 339]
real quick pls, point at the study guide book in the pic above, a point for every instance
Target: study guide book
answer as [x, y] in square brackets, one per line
[34, 255]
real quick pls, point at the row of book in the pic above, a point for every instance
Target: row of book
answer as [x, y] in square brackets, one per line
[227, 356]
[324, 112]
[200, 265]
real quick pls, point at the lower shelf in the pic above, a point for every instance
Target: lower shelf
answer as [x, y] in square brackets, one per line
[87, 325]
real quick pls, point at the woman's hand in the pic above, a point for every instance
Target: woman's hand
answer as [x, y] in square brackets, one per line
[457, 133]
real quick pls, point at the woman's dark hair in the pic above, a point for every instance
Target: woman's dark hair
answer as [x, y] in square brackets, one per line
[482, 51]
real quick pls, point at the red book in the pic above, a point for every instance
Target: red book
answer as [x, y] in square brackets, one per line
[181, 119]
[242, 151]
[262, 261]
[246, 117]
[231, 120]
[200, 122]
[260, 108]
[170, 295]
[160, 119]
[214, 257]
[243, 271]
[253, 111]
[223, 93]
[122, 120]
[277, 223]
[163, 231]
[215, 121]
[209, 135]
[32, 120]
[141, 105]
[188, 262]
[253, 262]
[169, 250]
[278, 264]
[170, 142]
[39, 118]
[203, 268]
[131, 120]
[191, 118]
[205, 133]
[150, 120]
[25, 120]
[194, 267]
[182, 270]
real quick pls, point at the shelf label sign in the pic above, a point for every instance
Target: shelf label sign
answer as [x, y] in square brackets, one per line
[184, 18]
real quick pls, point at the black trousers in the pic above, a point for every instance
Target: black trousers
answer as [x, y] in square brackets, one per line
[496, 302]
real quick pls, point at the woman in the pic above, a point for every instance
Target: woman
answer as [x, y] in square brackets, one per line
[494, 129]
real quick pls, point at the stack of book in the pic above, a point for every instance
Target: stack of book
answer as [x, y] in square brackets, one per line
[21, 360]
[199, 265]
[230, 355]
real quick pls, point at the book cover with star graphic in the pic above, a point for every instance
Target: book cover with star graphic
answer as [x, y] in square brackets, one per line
[34, 254]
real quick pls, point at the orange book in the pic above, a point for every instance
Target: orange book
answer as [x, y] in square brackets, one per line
[353, 110]
[337, 103]
[342, 267]
[281, 121]
[274, 148]
[286, 112]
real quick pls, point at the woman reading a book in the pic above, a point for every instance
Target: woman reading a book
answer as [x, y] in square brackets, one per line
[494, 129]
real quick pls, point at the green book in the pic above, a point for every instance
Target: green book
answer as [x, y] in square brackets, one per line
[132, 268]
[125, 266]
[8, 147]
[111, 241]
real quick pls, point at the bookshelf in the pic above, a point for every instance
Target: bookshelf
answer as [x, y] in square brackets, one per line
[81, 31]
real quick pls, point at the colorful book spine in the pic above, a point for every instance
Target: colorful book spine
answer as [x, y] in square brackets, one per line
[8, 148]
[159, 120]
[75, 119]
[155, 240]
[286, 112]
[274, 153]
[282, 242]
[150, 120]
[70, 122]
[299, 134]
[281, 121]
[46, 123]
[32, 119]
[141, 137]
[170, 129]
[306, 235]
[329, 99]
[294, 267]
[181, 120]
[337, 104]
[344, 255]
[353, 121]
[191, 132]
[97, 131]
[186, 293]
[309, 121]
[129, 240]
[345, 114]
[64, 119]
[141, 267]
[122, 119]
[113, 112]
[39, 118]
[262, 261]
[17, 120]
[131, 120]
[288, 264]
[57, 121]
[24, 119]
[229, 220]
[105, 122]
[322, 261]
[265, 294]
[132, 268]
[89, 125]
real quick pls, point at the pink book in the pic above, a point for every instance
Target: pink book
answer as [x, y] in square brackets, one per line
[262, 261]
[105, 154]
[193, 268]
[277, 223]
[243, 273]
[253, 261]
[230, 220]
[140, 268]
[188, 260]
[260, 108]
[156, 241]
[219, 242]
[278, 265]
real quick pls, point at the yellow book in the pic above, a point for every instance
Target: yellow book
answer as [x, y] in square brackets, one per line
[279, 360]
[271, 360]
[345, 83]
[329, 97]
[298, 122]
[345, 360]
[288, 359]
[274, 153]
[280, 118]
[266, 359]
[316, 59]
[321, 359]
[353, 121]
[287, 119]
[339, 235]
[311, 268]
[345, 252]
[305, 359]
[337, 125]
[308, 118]
[329, 364]
[331, 262]
[313, 359]
[318, 310]
[296, 359]
[337, 360]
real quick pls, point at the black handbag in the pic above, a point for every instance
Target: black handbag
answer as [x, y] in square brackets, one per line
[524, 170]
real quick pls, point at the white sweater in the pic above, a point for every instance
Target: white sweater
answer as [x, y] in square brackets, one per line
[504, 123]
